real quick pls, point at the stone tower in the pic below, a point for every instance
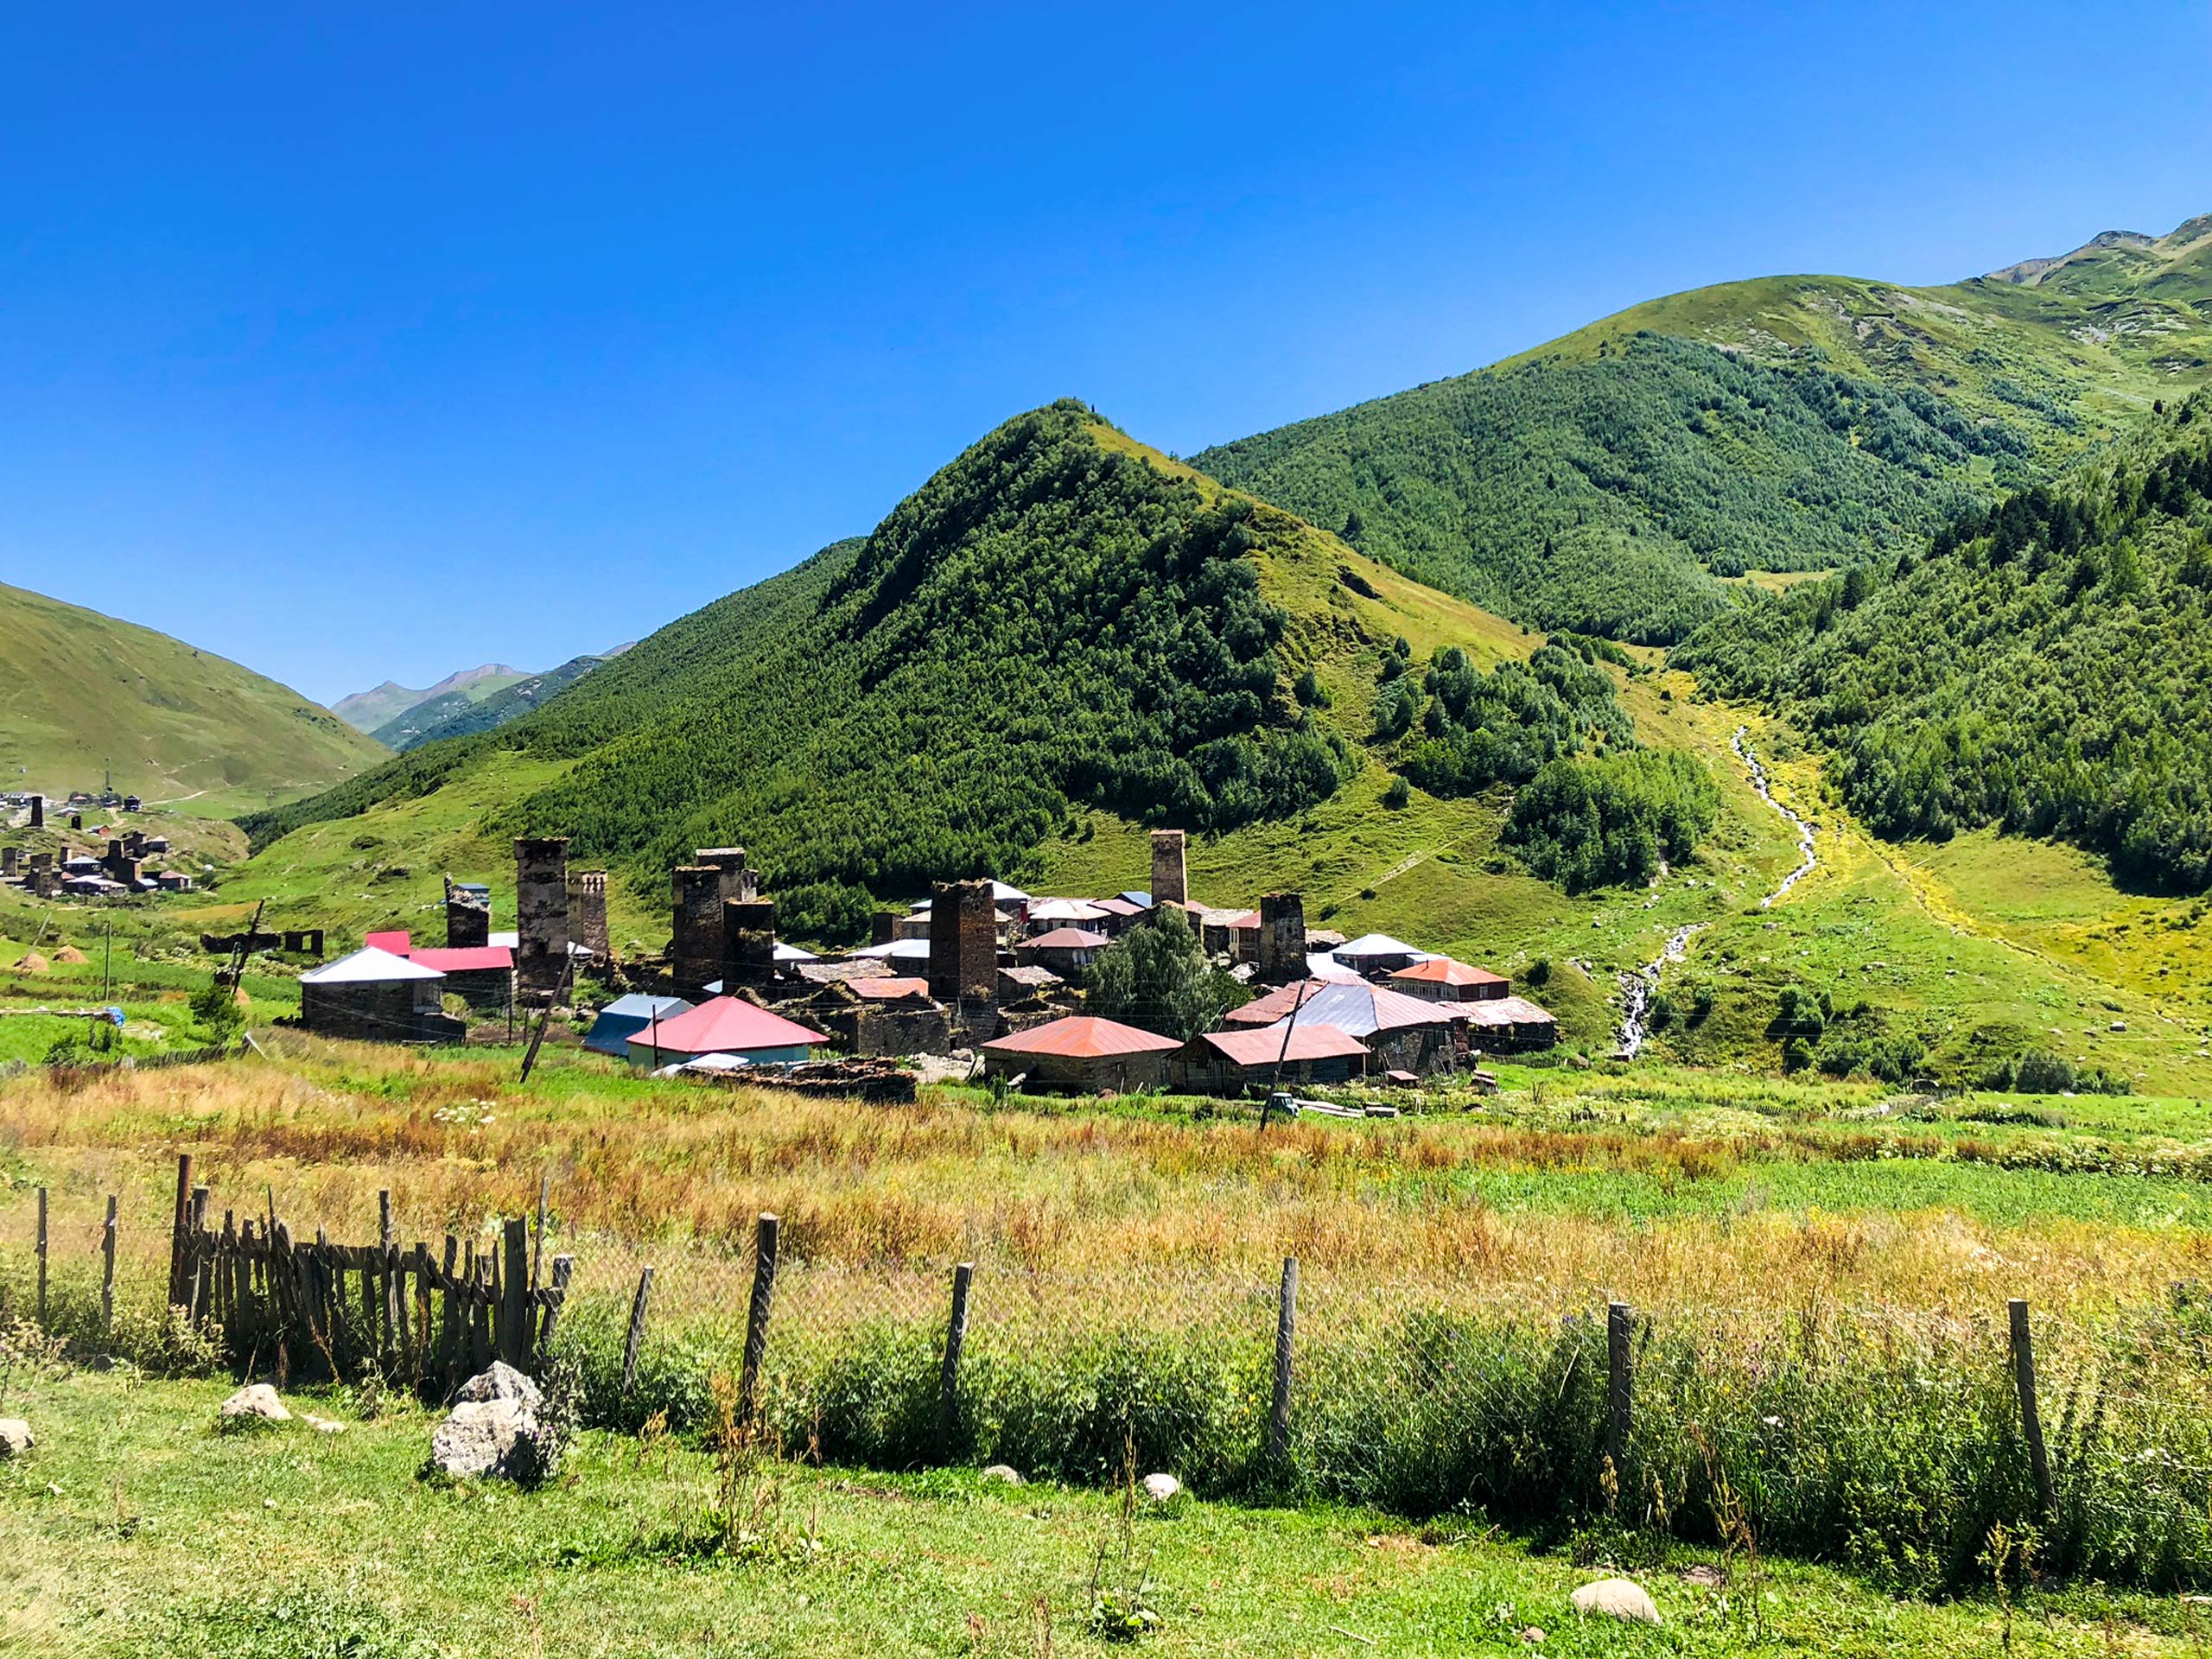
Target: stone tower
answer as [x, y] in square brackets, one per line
[541, 912]
[1170, 886]
[696, 953]
[1282, 938]
[749, 943]
[588, 912]
[964, 944]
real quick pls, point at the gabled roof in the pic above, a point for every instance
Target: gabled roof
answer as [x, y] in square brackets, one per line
[1141, 900]
[898, 951]
[1067, 938]
[727, 1024]
[1377, 945]
[1504, 1011]
[394, 940]
[793, 953]
[466, 959]
[1442, 970]
[1083, 1037]
[1360, 1009]
[1065, 910]
[1119, 905]
[368, 966]
[1263, 1045]
[638, 1005]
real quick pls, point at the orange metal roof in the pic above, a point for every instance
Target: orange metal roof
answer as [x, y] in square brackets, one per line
[1264, 1046]
[1067, 938]
[1442, 970]
[1082, 1037]
[889, 987]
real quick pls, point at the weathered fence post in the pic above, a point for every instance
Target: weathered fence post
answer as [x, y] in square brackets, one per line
[1620, 1324]
[637, 1328]
[198, 1259]
[390, 1317]
[449, 1336]
[756, 1319]
[41, 1258]
[537, 1246]
[956, 1335]
[176, 1226]
[2023, 1374]
[107, 1270]
[1285, 1340]
[555, 1295]
[514, 1294]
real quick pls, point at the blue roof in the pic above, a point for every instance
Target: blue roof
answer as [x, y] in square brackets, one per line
[626, 1015]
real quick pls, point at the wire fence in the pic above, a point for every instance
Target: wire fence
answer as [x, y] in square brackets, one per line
[1891, 1437]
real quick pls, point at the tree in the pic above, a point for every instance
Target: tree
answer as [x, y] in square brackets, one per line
[1156, 977]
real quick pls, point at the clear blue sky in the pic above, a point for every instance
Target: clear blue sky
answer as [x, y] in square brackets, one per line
[368, 342]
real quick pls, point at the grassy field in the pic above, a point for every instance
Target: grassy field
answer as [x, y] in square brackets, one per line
[1832, 1255]
[135, 1530]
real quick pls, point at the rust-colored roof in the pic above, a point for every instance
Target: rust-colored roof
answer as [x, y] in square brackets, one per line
[1358, 1008]
[1264, 1045]
[1442, 970]
[1080, 1037]
[889, 987]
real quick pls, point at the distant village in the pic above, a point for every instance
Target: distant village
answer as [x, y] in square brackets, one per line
[978, 969]
[123, 865]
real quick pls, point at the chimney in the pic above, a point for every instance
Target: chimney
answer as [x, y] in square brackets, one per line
[749, 943]
[542, 912]
[695, 952]
[1282, 938]
[1169, 885]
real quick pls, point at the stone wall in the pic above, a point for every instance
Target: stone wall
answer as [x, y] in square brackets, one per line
[695, 952]
[1170, 881]
[1282, 938]
[749, 943]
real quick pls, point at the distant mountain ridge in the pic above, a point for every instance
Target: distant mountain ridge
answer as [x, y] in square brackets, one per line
[457, 713]
[366, 711]
[83, 696]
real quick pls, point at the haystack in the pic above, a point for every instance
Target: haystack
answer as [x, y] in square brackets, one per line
[32, 963]
[70, 956]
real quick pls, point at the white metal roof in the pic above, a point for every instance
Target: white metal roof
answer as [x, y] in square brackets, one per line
[1378, 945]
[367, 966]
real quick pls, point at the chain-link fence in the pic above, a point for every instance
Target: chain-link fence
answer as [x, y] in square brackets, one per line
[1894, 1439]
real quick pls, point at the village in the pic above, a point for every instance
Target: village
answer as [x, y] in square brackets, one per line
[979, 972]
[71, 869]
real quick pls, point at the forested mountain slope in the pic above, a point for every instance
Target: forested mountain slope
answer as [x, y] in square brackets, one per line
[456, 713]
[1602, 481]
[1059, 617]
[2042, 665]
[82, 694]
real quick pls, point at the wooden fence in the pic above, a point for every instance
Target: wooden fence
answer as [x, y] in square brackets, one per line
[303, 1307]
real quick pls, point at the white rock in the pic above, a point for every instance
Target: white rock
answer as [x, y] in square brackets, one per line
[1622, 1598]
[482, 1437]
[1005, 1473]
[499, 1380]
[255, 1400]
[1160, 1488]
[14, 1437]
[321, 1425]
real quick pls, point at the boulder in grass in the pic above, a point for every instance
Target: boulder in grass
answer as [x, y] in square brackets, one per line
[499, 1381]
[257, 1402]
[488, 1438]
[1005, 1473]
[1160, 1488]
[14, 1437]
[1621, 1598]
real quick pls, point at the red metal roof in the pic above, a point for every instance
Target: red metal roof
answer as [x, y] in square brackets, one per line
[1081, 1036]
[1067, 938]
[393, 940]
[1117, 907]
[1357, 1007]
[726, 1024]
[1442, 970]
[1264, 1045]
[889, 987]
[466, 959]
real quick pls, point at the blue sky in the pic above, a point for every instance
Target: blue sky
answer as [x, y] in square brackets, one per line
[356, 343]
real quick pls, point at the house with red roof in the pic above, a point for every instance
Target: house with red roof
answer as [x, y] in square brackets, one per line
[1066, 951]
[728, 1025]
[1401, 1033]
[483, 975]
[1440, 979]
[1081, 1054]
[1255, 1057]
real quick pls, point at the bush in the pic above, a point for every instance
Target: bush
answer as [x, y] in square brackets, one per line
[1597, 822]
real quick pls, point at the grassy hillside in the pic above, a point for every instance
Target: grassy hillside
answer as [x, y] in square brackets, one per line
[2040, 667]
[1059, 618]
[83, 694]
[1602, 481]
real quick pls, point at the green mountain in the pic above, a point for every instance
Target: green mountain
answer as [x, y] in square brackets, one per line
[371, 710]
[2041, 667]
[1059, 618]
[482, 704]
[1617, 480]
[83, 696]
